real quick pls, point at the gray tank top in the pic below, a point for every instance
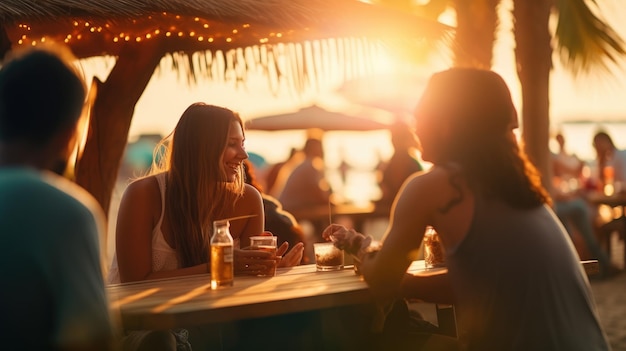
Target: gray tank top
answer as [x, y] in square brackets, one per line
[520, 284]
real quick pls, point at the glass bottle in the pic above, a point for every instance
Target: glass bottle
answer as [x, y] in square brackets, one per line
[434, 255]
[221, 255]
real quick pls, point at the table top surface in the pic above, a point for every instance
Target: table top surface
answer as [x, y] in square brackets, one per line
[188, 301]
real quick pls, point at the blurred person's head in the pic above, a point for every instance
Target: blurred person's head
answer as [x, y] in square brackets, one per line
[41, 100]
[204, 160]
[603, 144]
[560, 139]
[402, 137]
[466, 117]
[313, 148]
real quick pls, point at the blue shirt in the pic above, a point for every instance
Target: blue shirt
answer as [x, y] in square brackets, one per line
[52, 290]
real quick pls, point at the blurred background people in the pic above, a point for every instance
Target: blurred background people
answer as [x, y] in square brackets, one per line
[401, 165]
[52, 293]
[572, 208]
[278, 173]
[277, 221]
[611, 170]
[611, 161]
[307, 185]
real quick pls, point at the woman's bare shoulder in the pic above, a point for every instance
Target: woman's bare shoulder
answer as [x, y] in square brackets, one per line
[146, 188]
[251, 192]
[431, 180]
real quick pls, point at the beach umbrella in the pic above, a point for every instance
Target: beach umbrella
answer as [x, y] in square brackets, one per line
[316, 117]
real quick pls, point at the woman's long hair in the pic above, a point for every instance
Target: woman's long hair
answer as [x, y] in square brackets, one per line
[478, 107]
[196, 191]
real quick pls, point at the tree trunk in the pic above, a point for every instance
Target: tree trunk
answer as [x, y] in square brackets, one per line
[533, 54]
[476, 29]
[110, 120]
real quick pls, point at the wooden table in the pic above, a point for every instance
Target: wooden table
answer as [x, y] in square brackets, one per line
[188, 301]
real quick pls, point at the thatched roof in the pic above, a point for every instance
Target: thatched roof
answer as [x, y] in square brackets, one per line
[102, 27]
[96, 27]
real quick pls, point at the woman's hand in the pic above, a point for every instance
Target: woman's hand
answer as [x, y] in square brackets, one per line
[346, 239]
[250, 261]
[291, 258]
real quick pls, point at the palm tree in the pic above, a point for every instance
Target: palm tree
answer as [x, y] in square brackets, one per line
[584, 41]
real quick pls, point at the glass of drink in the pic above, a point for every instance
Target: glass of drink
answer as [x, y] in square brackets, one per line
[327, 257]
[433, 249]
[266, 243]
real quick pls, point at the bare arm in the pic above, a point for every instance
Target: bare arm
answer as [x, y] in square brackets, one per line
[410, 214]
[139, 213]
[250, 204]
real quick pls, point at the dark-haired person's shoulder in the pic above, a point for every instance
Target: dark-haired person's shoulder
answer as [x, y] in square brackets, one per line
[430, 180]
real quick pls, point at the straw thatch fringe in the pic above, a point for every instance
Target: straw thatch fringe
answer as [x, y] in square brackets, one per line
[308, 65]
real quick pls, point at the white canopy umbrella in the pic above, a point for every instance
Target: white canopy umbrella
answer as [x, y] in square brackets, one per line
[315, 117]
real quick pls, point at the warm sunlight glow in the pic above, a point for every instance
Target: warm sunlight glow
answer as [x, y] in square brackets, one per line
[448, 17]
[383, 62]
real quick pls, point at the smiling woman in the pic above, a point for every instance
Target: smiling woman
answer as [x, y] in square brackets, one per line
[165, 220]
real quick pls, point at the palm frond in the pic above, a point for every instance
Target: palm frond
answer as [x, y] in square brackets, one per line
[584, 40]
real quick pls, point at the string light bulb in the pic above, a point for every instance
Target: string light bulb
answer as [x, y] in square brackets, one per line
[199, 31]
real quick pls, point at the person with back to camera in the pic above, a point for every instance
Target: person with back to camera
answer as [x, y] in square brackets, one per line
[513, 273]
[52, 293]
[306, 185]
[279, 172]
[164, 219]
[401, 165]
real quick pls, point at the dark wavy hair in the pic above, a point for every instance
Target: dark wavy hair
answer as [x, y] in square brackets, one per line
[481, 116]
